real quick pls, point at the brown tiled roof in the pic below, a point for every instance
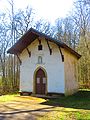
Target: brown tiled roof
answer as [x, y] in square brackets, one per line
[30, 36]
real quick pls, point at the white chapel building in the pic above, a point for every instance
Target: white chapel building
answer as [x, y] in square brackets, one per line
[48, 66]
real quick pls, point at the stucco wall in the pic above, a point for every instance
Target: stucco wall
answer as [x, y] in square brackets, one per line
[70, 67]
[51, 63]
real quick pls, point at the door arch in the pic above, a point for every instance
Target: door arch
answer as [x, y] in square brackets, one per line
[40, 81]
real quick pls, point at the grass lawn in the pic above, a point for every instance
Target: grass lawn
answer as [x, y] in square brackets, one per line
[17, 97]
[7, 98]
[74, 107]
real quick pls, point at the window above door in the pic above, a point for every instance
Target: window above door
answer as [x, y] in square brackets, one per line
[40, 60]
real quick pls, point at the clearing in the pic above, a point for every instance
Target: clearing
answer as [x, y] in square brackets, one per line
[75, 107]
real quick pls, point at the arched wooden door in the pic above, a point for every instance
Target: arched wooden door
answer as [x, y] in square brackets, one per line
[40, 82]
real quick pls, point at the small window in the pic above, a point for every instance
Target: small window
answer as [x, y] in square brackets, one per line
[44, 80]
[38, 80]
[39, 47]
[40, 59]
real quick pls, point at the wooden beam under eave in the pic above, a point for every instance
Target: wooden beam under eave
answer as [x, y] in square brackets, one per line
[62, 56]
[19, 59]
[49, 47]
[29, 53]
[39, 40]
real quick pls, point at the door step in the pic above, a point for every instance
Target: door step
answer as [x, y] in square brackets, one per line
[45, 96]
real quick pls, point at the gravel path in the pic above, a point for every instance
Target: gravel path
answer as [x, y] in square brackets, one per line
[23, 109]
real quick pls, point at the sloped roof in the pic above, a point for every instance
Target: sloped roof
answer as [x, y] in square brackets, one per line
[30, 36]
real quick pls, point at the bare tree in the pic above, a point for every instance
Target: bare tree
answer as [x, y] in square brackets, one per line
[66, 31]
[81, 18]
[4, 43]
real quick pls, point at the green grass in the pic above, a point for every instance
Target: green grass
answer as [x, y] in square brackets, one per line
[66, 114]
[8, 98]
[74, 107]
[17, 97]
[80, 100]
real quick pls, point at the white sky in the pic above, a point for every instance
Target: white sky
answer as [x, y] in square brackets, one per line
[47, 9]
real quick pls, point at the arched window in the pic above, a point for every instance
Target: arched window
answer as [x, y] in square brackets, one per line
[40, 59]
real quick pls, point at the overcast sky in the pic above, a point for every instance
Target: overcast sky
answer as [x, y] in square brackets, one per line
[47, 9]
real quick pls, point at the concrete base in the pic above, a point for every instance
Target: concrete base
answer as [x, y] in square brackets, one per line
[25, 93]
[48, 96]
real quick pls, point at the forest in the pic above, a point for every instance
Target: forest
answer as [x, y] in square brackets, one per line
[74, 30]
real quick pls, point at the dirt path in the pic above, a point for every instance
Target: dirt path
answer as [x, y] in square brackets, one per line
[23, 108]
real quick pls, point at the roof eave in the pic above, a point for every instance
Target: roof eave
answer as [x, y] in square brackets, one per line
[34, 32]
